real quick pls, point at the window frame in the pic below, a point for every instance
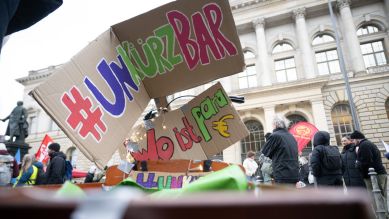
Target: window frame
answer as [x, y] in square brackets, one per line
[339, 134]
[285, 69]
[261, 137]
[374, 53]
[327, 62]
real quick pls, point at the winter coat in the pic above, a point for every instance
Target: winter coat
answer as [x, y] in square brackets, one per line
[281, 147]
[55, 171]
[351, 175]
[369, 156]
[323, 175]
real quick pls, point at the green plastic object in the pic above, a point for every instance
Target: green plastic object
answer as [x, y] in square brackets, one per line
[70, 190]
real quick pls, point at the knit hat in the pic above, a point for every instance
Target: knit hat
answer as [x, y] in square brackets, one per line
[54, 146]
[357, 135]
[3, 147]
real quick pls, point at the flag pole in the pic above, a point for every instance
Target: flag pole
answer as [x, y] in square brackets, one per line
[343, 70]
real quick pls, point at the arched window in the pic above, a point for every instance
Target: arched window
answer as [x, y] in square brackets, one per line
[295, 118]
[323, 38]
[255, 140]
[282, 47]
[342, 120]
[71, 155]
[367, 29]
[248, 54]
[387, 107]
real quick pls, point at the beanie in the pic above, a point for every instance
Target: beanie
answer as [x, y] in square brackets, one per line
[357, 135]
[54, 146]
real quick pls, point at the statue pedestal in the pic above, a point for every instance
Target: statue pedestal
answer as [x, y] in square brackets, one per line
[14, 146]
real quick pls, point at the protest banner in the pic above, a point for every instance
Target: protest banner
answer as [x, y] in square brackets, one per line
[198, 130]
[42, 155]
[303, 132]
[98, 95]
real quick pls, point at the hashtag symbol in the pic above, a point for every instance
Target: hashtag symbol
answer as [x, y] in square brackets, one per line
[81, 113]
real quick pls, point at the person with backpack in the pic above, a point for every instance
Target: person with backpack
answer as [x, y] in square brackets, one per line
[29, 173]
[9, 168]
[56, 170]
[326, 161]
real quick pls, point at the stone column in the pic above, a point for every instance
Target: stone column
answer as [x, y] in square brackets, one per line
[304, 42]
[269, 116]
[319, 115]
[386, 3]
[263, 57]
[350, 36]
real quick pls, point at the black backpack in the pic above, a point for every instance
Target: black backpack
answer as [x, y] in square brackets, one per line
[331, 159]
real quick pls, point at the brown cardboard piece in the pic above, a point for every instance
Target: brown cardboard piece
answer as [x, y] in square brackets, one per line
[111, 89]
[166, 83]
[200, 139]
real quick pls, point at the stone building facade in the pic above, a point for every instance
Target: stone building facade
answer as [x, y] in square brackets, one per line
[293, 69]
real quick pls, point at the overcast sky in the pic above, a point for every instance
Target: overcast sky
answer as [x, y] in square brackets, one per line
[56, 38]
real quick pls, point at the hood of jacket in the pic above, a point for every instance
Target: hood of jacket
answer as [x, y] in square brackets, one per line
[59, 154]
[321, 138]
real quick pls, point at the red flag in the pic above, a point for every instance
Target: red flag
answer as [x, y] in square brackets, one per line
[303, 132]
[42, 154]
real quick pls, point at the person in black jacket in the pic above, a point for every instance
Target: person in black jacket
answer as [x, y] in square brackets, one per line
[55, 172]
[368, 156]
[351, 175]
[281, 147]
[324, 175]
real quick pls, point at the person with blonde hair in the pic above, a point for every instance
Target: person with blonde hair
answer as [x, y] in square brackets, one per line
[29, 171]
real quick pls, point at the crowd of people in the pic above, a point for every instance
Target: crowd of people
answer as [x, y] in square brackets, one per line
[30, 171]
[280, 162]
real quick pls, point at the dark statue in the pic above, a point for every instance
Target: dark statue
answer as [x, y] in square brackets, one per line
[17, 125]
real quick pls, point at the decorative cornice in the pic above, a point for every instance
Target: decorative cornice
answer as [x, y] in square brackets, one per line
[259, 22]
[343, 4]
[38, 74]
[299, 13]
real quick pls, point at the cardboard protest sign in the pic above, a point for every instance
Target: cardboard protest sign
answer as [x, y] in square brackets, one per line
[190, 42]
[163, 180]
[100, 93]
[198, 130]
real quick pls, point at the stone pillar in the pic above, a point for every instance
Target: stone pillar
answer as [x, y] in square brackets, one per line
[263, 57]
[269, 116]
[386, 4]
[304, 42]
[319, 115]
[350, 36]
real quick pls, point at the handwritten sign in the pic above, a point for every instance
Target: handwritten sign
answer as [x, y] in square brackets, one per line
[162, 180]
[202, 128]
[100, 93]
